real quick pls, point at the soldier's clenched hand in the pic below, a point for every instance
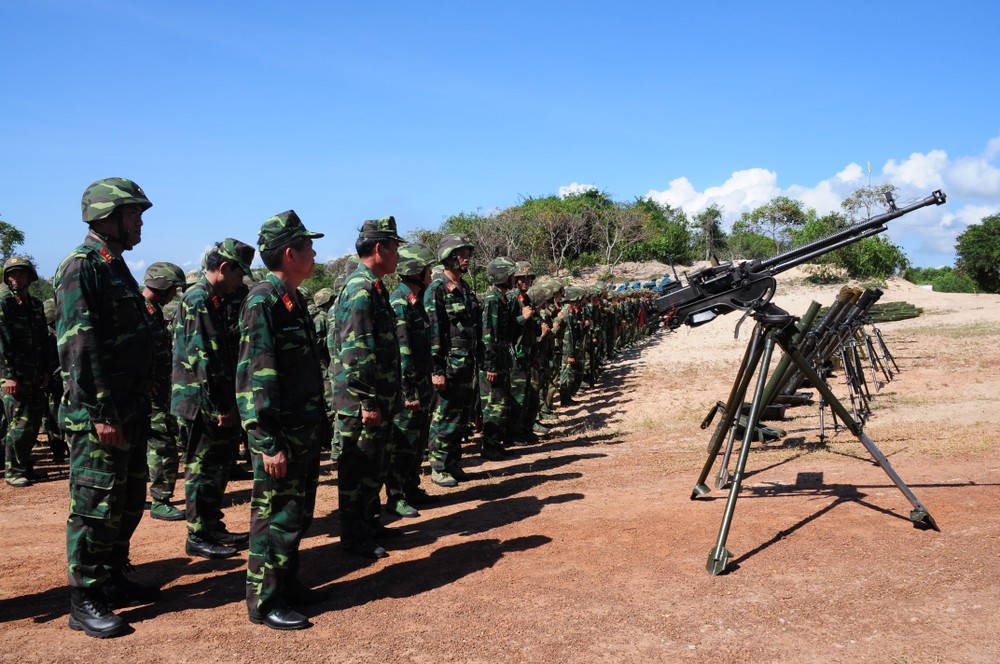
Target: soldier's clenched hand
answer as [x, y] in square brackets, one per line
[439, 382]
[275, 465]
[110, 434]
[371, 418]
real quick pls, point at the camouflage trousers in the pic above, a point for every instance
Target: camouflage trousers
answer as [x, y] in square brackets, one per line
[162, 455]
[107, 489]
[281, 511]
[24, 417]
[450, 421]
[497, 404]
[361, 472]
[410, 430]
[209, 451]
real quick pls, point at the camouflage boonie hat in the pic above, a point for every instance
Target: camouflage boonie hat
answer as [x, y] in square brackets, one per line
[239, 252]
[281, 229]
[524, 269]
[414, 259]
[102, 197]
[162, 275]
[323, 297]
[380, 229]
[451, 243]
[19, 263]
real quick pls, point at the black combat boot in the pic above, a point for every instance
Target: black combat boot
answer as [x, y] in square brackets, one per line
[89, 612]
[122, 591]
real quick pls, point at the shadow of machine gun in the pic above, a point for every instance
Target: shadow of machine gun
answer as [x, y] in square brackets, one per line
[749, 286]
[746, 285]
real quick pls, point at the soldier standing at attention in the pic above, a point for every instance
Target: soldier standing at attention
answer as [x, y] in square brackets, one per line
[203, 397]
[162, 455]
[412, 424]
[498, 360]
[24, 362]
[364, 354]
[106, 347]
[279, 388]
[455, 329]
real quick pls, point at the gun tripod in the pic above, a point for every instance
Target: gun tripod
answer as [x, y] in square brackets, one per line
[775, 326]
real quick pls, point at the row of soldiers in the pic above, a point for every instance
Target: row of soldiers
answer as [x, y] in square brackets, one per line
[247, 361]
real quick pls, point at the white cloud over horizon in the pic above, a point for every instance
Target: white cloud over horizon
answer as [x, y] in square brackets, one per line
[575, 188]
[971, 182]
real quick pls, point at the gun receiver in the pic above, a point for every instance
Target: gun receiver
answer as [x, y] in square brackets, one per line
[720, 289]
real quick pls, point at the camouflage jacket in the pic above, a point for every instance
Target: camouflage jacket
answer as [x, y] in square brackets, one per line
[105, 337]
[526, 331]
[203, 371]
[24, 335]
[364, 350]
[453, 313]
[279, 384]
[322, 329]
[571, 333]
[414, 345]
[498, 333]
[163, 355]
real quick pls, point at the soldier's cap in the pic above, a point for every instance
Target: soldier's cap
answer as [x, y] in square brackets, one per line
[380, 229]
[191, 277]
[239, 252]
[524, 269]
[282, 229]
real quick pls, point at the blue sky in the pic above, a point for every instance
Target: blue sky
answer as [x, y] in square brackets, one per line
[229, 112]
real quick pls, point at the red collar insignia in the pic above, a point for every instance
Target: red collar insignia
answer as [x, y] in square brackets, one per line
[216, 301]
[452, 286]
[412, 298]
[289, 303]
[107, 255]
[150, 309]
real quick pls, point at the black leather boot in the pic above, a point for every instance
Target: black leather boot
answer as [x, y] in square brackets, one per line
[89, 613]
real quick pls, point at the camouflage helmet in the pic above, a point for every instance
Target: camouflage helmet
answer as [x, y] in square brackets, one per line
[414, 259]
[572, 293]
[49, 307]
[524, 269]
[162, 275]
[20, 263]
[306, 293]
[500, 269]
[102, 197]
[170, 309]
[323, 297]
[451, 243]
[191, 277]
[540, 293]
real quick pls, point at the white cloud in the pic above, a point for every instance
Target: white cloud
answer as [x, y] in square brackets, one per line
[927, 235]
[575, 188]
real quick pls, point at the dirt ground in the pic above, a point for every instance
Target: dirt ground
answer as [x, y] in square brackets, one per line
[587, 547]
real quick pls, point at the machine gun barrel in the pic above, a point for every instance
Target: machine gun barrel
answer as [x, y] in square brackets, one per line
[720, 289]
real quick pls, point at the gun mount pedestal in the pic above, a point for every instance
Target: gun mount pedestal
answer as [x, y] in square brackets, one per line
[776, 327]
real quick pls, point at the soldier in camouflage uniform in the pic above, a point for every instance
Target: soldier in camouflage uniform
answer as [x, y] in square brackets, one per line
[411, 425]
[162, 280]
[106, 348]
[572, 346]
[498, 360]
[455, 329]
[364, 352]
[203, 397]
[527, 330]
[26, 366]
[54, 391]
[280, 394]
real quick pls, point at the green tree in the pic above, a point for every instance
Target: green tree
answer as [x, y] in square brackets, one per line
[777, 219]
[10, 238]
[709, 238]
[745, 243]
[667, 234]
[978, 253]
[867, 202]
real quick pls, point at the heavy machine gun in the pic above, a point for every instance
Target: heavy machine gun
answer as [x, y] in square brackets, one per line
[747, 285]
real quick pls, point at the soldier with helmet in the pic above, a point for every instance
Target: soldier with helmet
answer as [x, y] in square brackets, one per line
[106, 354]
[498, 360]
[453, 312]
[161, 283]
[411, 425]
[25, 362]
[54, 391]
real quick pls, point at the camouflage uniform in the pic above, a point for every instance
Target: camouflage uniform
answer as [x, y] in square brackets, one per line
[524, 392]
[54, 391]
[162, 453]
[411, 427]
[203, 389]
[24, 358]
[453, 312]
[280, 394]
[365, 368]
[106, 342]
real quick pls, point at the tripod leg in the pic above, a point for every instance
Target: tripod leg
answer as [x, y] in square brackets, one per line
[919, 514]
[719, 556]
[750, 360]
[885, 349]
